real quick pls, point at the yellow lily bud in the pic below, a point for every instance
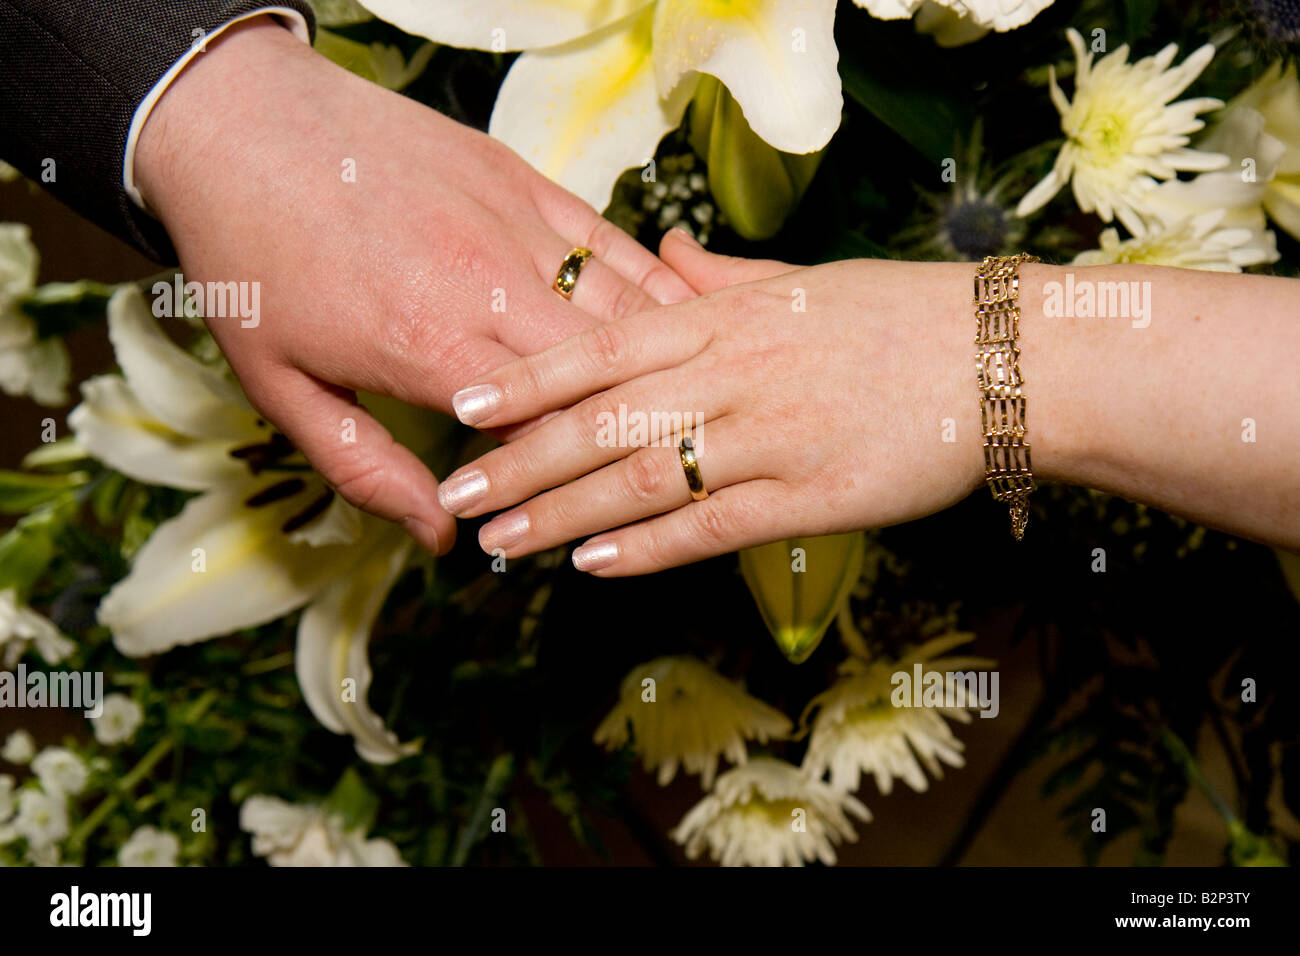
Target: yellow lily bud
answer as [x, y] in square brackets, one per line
[799, 585]
[755, 185]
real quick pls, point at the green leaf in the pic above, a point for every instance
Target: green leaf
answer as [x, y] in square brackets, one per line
[352, 800]
[58, 308]
[912, 106]
[20, 491]
[476, 828]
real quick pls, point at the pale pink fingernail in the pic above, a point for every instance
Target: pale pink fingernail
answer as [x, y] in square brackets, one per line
[593, 557]
[476, 403]
[461, 492]
[503, 531]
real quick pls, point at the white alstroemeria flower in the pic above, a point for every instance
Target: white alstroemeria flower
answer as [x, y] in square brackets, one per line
[604, 80]
[859, 730]
[120, 719]
[956, 22]
[769, 813]
[1275, 97]
[42, 817]
[1195, 243]
[21, 627]
[696, 715]
[19, 748]
[1122, 131]
[290, 834]
[149, 846]
[266, 537]
[60, 771]
[30, 367]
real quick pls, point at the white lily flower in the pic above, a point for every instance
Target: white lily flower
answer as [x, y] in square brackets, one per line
[1275, 97]
[604, 80]
[28, 366]
[149, 846]
[303, 835]
[265, 538]
[1123, 133]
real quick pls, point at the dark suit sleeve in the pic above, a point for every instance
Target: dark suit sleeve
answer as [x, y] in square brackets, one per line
[72, 73]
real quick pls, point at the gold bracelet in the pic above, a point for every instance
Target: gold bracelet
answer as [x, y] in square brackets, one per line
[1007, 469]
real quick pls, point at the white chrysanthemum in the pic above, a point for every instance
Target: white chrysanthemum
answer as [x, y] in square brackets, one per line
[302, 835]
[149, 846]
[21, 627]
[1123, 133]
[769, 813]
[693, 716]
[1195, 243]
[27, 366]
[42, 818]
[120, 719]
[859, 730]
[60, 770]
[19, 748]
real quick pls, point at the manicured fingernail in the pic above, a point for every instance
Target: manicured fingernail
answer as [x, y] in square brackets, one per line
[503, 531]
[593, 557]
[686, 237]
[461, 492]
[476, 403]
[423, 534]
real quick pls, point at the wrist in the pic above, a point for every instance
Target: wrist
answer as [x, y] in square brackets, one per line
[204, 115]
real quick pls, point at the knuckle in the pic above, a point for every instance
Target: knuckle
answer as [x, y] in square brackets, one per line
[360, 483]
[606, 347]
[644, 478]
[626, 300]
[713, 525]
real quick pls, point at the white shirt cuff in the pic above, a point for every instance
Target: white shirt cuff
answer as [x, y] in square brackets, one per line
[291, 18]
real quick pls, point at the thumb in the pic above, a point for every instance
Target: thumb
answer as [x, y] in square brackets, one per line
[371, 471]
[708, 272]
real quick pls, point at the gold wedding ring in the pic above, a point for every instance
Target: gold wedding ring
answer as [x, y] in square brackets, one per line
[694, 480]
[572, 265]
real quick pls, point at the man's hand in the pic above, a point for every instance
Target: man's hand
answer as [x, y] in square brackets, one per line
[398, 252]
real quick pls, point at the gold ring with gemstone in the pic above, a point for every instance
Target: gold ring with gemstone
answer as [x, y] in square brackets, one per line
[694, 480]
[567, 277]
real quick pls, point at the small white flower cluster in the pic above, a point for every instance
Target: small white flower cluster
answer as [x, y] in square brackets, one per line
[39, 814]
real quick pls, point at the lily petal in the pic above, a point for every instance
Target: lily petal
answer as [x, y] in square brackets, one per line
[218, 566]
[112, 425]
[777, 57]
[333, 639]
[175, 387]
[501, 25]
[584, 112]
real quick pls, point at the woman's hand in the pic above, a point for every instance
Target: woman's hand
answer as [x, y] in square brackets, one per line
[828, 399]
[397, 252]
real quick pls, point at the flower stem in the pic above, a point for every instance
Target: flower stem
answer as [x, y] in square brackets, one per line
[137, 773]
